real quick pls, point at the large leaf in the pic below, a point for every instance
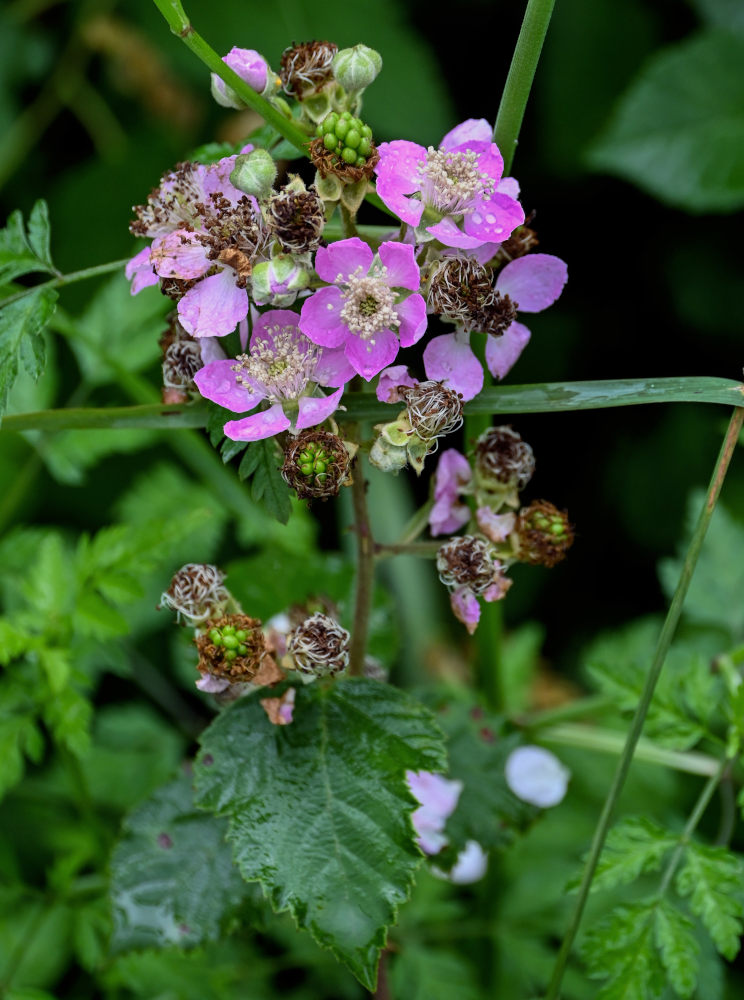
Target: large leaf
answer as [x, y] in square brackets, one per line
[320, 810]
[712, 878]
[25, 250]
[634, 846]
[679, 130]
[22, 324]
[173, 880]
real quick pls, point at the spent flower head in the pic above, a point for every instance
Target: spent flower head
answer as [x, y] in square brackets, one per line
[196, 592]
[319, 647]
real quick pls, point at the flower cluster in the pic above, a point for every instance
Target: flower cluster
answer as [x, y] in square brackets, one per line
[501, 532]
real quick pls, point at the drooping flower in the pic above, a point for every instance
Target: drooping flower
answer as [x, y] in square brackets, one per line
[282, 368]
[530, 284]
[467, 566]
[452, 476]
[438, 797]
[368, 296]
[535, 775]
[456, 193]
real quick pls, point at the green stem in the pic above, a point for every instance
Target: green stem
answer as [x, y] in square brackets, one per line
[149, 416]
[519, 79]
[180, 25]
[365, 547]
[68, 279]
[662, 647]
[695, 816]
[596, 704]
[489, 667]
[426, 550]
[605, 741]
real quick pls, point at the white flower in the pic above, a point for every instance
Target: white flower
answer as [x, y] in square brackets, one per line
[535, 775]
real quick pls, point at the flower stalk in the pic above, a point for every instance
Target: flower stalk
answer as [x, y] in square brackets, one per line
[365, 547]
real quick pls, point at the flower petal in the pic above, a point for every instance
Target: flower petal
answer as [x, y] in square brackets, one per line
[216, 381]
[402, 269]
[448, 233]
[179, 255]
[315, 409]
[502, 352]
[265, 424]
[343, 258]
[266, 324]
[510, 186]
[446, 517]
[494, 219]
[333, 368]
[472, 130]
[535, 775]
[139, 271]
[412, 316]
[534, 281]
[211, 350]
[452, 361]
[398, 175]
[368, 357]
[214, 306]
[471, 865]
[465, 608]
[391, 380]
[320, 319]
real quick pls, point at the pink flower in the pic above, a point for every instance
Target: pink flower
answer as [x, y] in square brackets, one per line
[364, 302]
[391, 381]
[438, 797]
[250, 66]
[282, 368]
[455, 193]
[535, 775]
[452, 476]
[532, 283]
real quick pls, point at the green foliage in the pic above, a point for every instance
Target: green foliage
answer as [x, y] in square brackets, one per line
[712, 878]
[24, 248]
[22, 325]
[634, 846]
[173, 880]
[678, 131]
[332, 786]
[713, 597]
[427, 973]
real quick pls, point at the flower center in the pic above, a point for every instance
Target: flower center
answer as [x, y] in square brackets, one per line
[281, 367]
[369, 304]
[450, 181]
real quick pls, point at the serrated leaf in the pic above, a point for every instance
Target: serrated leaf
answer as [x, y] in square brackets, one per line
[675, 940]
[678, 132]
[713, 597]
[173, 880]
[39, 233]
[621, 949]
[421, 973]
[249, 461]
[712, 878]
[634, 846]
[267, 486]
[320, 810]
[230, 449]
[24, 320]
[22, 253]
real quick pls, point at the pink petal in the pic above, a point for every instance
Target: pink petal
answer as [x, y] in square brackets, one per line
[398, 176]
[496, 527]
[212, 684]
[320, 319]
[315, 409]
[264, 326]
[495, 219]
[402, 269]
[498, 589]
[140, 272]
[391, 380]
[485, 252]
[446, 517]
[534, 281]
[510, 186]
[502, 352]
[211, 350]
[333, 368]
[265, 424]
[249, 65]
[216, 381]
[243, 334]
[179, 255]
[451, 361]
[471, 865]
[465, 608]
[214, 306]
[453, 473]
[472, 130]
[343, 258]
[368, 357]
[412, 317]
[448, 233]
[437, 794]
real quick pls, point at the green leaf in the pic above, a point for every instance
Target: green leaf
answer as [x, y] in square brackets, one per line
[634, 846]
[22, 252]
[712, 878]
[173, 880]
[675, 939]
[267, 486]
[22, 324]
[713, 597]
[320, 810]
[621, 948]
[726, 14]
[421, 973]
[678, 132]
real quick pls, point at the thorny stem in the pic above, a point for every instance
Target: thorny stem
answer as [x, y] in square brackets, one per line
[67, 279]
[519, 79]
[365, 547]
[662, 648]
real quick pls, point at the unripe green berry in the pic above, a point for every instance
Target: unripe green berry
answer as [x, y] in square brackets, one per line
[215, 636]
[352, 138]
[348, 155]
[231, 654]
[242, 650]
[342, 127]
[366, 131]
[360, 160]
[241, 635]
[228, 630]
[330, 141]
[230, 642]
[320, 466]
[346, 115]
[365, 146]
[321, 477]
[306, 468]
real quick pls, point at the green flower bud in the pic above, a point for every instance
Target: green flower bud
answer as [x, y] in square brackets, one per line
[277, 281]
[254, 173]
[356, 68]
[388, 457]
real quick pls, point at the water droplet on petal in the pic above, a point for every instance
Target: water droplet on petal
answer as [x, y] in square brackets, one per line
[329, 306]
[490, 219]
[477, 218]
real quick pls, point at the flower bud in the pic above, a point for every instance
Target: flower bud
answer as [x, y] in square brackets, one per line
[388, 457]
[504, 464]
[254, 173]
[196, 592]
[316, 464]
[356, 68]
[319, 647]
[433, 410]
[543, 534]
[295, 217]
[233, 648]
[277, 281]
[251, 67]
[467, 562]
[535, 775]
